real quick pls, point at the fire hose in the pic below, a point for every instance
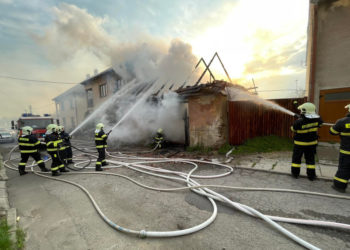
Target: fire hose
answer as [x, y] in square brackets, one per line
[193, 186]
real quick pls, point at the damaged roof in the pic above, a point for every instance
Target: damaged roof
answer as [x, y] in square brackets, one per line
[218, 87]
[107, 71]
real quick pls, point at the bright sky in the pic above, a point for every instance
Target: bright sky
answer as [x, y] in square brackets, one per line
[65, 40]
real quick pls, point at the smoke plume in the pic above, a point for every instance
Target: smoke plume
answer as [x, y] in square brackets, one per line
[76, 31]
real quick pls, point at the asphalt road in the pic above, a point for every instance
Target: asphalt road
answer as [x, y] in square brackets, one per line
[57, 215]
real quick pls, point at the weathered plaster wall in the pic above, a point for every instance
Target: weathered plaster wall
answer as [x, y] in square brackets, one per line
[208, 120]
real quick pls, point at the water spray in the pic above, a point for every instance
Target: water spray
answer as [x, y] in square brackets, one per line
[142, 99]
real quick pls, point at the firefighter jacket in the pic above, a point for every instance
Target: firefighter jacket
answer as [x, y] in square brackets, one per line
[28, 144]
[53, 143]
[65, 138]
[101, 139]
[305, 130]
[342, 128]
[159, 137]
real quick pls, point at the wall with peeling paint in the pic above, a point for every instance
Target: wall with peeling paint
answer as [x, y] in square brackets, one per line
[208, 120]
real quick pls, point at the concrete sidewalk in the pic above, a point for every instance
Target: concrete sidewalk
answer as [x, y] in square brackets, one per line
[280, 162]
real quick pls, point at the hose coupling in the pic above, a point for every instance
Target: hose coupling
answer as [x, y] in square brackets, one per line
[143, 234]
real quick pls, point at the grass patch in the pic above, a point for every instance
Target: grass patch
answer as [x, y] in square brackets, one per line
[224, 149]
[20, 238]
[5, 240]
[5, 237]
[199, 149]
[262, 144]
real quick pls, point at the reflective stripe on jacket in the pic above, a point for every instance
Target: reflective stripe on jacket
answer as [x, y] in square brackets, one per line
[342, 128]
[305, 130]
[28, 144]
[101, 139]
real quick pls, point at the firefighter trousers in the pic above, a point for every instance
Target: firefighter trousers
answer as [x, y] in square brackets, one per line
[56, 164]
[342, 176]
[101, 160]
[309, 153]
[62, 154]
[68, 154]
[24, 159]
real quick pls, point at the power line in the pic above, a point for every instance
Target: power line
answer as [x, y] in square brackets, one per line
[31, 80]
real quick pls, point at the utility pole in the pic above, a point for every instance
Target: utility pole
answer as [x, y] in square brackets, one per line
[30, 109]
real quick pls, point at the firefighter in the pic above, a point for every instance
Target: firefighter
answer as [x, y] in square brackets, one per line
[159, 138]
[101, 144]
[53, 145]
[342, 128]
[68, 154]
[62, 150]
[28, 146]
[305, 130]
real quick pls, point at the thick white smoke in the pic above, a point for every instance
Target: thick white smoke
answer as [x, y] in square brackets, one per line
[75, 31]
[147, 117]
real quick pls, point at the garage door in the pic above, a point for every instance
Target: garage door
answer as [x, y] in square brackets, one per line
[332, 103]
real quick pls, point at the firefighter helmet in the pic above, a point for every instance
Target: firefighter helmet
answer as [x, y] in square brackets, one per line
[347, 107]
[307, 108]
[51, 128]
[99, 126]
[160, 130]
[27, 130]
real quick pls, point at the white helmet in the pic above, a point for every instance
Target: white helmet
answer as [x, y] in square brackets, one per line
[307, 108]
[60, 128]
[51, 128]
[347, 107]
[99, 126]
[27, 130]
[160, 130]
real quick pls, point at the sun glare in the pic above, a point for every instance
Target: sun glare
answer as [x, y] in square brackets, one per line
[253, 30]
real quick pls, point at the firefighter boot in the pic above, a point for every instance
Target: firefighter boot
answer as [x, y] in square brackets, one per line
[64, 170]
[44, 169]
[55, 173]
[338, 189]
[22, 172]
[98, 168]
[311, 175]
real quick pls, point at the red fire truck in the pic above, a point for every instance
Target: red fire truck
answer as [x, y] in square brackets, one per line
[37, 122]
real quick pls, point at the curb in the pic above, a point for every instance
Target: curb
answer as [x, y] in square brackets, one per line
[5, 210]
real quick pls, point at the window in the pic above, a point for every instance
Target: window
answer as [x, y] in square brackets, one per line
[71, 103]
[62, 106]
[90, 98]
[103, 90]
[337, 96]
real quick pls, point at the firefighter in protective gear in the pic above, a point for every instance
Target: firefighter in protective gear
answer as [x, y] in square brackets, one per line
[68, 155]
[159, 138]
[305, 130]
[62, 150]
[101, 144]
[53, 145]
[342, 128]
[28, 146]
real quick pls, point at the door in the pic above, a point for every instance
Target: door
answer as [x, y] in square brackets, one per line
[332, 103]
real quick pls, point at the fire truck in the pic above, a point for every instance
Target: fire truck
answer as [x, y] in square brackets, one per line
[37, 122]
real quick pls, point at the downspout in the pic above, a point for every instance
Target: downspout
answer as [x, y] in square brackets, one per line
[313, 54]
